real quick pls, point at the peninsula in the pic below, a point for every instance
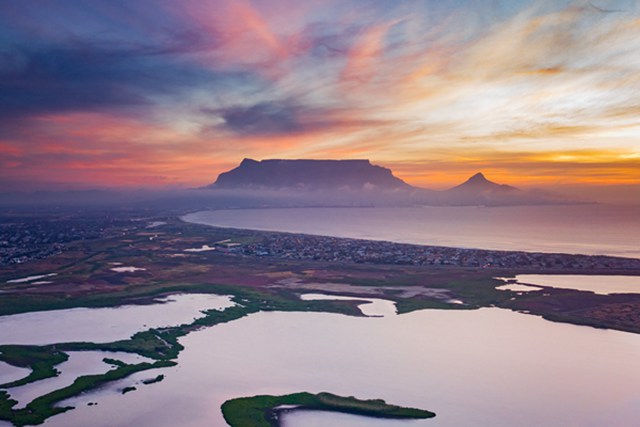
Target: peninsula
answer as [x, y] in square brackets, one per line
[265, 411]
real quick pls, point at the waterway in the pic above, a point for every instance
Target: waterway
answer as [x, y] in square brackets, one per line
[481, 367]
[80, 363]
[105, 324]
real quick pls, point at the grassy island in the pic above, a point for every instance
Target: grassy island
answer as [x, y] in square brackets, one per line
[41, 360]
[264, 411]
[37, 411]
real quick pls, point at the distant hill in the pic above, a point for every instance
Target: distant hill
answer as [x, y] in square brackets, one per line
[358, 182]
[309, 175]
[478, 190]
[478, 183]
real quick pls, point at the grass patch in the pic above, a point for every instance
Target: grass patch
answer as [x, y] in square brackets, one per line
[128, 389]
[41, 360]
[37, 411]
[153, 380]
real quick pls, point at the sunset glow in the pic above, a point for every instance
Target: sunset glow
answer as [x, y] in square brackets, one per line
[169, 94]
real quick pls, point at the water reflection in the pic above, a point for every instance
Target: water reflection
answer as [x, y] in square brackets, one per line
[9, 373]
[324, 419]
[374, 307]
[80, 363]
[105, 324]
[593, 229]
[486, 367]
[603, 285]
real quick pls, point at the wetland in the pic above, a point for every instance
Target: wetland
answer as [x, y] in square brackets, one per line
[418, 336]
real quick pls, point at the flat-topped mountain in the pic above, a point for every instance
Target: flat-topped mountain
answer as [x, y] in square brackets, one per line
[309, 174]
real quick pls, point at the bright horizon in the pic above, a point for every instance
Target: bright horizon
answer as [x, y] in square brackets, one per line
[162, 94]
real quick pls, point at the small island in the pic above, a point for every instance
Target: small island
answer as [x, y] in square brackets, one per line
[264, 411]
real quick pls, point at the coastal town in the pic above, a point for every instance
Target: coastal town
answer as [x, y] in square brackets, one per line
[26, 238]
[38, 237]
[345, 250]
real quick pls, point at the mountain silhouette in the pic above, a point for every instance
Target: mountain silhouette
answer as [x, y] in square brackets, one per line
[309, 175]
[329, 182]
[478, 183]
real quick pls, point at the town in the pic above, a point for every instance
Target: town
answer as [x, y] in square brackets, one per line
[344, 250]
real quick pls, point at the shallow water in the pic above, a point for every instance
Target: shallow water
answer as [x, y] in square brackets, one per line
[203, 248]
[127, 269]
[324, 419]
[9, 373]
[31, 278]
[603, 285]
[79, 363]
[583, 229]
[105, 324]
[374, 307]
[516, 287]
[488, 367]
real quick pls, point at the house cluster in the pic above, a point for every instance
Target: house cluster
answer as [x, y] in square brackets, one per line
[331, 249]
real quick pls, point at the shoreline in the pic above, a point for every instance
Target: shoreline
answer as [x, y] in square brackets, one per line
[568, 259]
[473, 240]
[268, 283]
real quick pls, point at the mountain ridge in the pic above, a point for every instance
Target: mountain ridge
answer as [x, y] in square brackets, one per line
[360, 177]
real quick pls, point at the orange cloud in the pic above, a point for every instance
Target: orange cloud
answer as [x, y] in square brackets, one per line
[365, 55]
[538, 98]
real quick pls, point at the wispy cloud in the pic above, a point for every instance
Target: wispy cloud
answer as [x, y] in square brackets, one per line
[110, 92]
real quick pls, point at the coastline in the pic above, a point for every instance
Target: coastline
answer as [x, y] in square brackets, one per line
[570, 229]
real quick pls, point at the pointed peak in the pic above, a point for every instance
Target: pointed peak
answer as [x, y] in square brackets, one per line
[478, 179]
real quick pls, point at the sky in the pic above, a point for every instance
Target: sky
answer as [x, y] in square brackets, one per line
[171, 93]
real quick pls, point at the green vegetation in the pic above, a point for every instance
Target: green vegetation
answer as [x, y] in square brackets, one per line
[153, 380]
[85, 279]
[261, 411]
[159, 344]
[41, 361]
[113, 362]
[37, 411]
[128, 389]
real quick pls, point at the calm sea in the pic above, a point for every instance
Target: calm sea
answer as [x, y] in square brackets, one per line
[584, 229]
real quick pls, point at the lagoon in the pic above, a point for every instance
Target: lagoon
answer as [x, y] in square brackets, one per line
[480, 367]
[79, 363]
[105, 324]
